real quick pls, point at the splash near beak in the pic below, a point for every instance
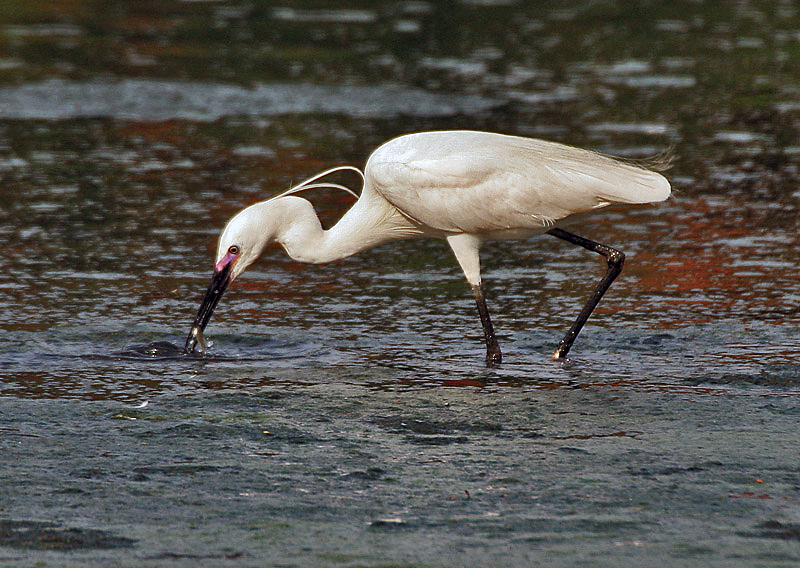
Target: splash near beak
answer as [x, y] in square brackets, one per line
[219, 283]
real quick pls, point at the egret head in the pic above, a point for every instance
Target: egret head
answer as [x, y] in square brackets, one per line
[249, 232]
[244, 238]
[241, 243]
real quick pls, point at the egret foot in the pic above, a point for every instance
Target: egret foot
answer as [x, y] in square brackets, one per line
[493, 355]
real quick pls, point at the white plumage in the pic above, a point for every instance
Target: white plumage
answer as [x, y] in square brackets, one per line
[481, 182]
[463, 186]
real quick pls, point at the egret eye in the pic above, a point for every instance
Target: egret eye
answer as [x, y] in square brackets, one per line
[234, 249]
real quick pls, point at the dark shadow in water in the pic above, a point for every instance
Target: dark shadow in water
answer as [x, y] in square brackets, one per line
[38, 535]
[168, 351]
[157, 350]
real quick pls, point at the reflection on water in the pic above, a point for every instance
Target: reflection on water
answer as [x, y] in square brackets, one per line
[129, 136]
[148, 100]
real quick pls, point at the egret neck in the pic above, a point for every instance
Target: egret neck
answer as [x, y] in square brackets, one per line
[369, 223]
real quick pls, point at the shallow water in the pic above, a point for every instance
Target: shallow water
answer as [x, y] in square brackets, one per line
[343, 415]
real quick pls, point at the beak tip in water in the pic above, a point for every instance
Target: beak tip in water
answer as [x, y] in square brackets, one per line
[196, 339]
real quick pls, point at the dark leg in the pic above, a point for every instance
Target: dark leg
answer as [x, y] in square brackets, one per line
[493, 355]
[615, 260]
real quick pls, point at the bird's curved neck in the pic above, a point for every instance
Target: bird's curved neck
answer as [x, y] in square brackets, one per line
[370, 222]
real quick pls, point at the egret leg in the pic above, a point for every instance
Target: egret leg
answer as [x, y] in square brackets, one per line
[615, 260]
[493, 354]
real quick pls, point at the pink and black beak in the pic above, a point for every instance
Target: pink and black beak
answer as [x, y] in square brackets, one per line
[219, 283]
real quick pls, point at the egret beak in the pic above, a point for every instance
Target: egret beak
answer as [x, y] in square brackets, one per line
[219, 283]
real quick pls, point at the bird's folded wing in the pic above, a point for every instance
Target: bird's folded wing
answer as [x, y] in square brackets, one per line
[477, 182]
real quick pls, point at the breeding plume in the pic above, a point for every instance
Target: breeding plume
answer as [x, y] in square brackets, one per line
[462, 186]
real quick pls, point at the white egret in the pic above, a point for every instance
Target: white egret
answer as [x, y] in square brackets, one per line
[466, 187]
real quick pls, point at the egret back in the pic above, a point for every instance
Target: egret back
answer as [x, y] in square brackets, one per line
[481, 182]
